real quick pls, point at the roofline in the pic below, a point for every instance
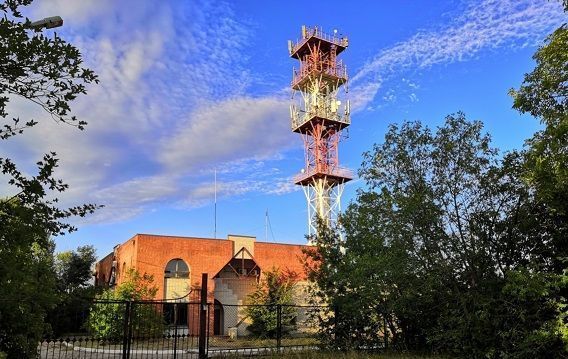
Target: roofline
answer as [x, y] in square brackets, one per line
[285, 244]
[200, 238]
[218, 239]
[182, 237]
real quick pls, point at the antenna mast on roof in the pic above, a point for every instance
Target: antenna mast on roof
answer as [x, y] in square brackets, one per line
[215, 221]
[267, 225]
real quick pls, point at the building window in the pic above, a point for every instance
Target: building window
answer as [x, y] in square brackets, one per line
[176, 288]
[176, 268]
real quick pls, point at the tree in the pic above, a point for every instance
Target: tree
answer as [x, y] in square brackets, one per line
[443, 249]
[75, 289]
[27, 284]
[275, 292]
[107, 314]
[544, 95]
[74, 268]
[47, 72]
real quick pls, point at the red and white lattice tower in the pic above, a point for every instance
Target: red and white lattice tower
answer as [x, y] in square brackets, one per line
[319, 112]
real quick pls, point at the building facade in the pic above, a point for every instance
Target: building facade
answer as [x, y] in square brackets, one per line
[234, 266]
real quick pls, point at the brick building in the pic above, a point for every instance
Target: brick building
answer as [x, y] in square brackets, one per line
[234, 266]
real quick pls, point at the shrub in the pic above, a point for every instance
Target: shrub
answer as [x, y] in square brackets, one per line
[111, 308]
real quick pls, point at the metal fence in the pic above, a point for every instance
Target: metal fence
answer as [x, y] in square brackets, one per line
[165, 329]
[262, 329]
[130, 329]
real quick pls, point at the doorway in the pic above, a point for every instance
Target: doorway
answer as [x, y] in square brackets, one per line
[218, 316]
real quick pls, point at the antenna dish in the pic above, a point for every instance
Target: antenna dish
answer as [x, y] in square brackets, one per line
[335, 31]
[303, 170]
[338, 103]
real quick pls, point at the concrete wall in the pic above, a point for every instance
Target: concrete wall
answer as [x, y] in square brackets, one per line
[231, 292]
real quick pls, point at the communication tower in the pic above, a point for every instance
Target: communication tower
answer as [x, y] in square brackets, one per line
[320, 112]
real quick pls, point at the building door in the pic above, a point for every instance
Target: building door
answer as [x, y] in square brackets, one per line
[218, 318]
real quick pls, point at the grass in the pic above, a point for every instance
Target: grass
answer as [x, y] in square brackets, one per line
[251, 342]
[192, 342]
[356, 355]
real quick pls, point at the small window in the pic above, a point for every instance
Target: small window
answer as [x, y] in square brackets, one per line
[176, 268]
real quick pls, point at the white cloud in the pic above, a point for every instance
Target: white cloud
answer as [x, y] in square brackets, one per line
[72, 12]
[173, 100]
[228, 131]
[488, 24]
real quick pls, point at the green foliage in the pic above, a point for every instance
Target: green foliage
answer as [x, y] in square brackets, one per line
[48, 72]
[74, 268]
[544, 94]
[445, 250]
[76, 291]
[106, 319]
[275, 292]
[27, 286]
[108, 313]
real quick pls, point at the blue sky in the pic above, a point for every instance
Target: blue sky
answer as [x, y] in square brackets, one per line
[188, 87]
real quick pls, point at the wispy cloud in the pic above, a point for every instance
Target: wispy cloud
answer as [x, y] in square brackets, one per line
[485, 25]
[175, 101]
[228, 130]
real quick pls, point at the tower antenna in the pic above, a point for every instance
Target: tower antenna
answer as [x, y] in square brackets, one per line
[215, 215]
[319, 117]
[266, 226]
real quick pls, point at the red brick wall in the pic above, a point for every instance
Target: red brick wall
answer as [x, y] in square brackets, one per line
[151, 253]
[102, 270]
[201, 255]
[282, 256]
[126, 258]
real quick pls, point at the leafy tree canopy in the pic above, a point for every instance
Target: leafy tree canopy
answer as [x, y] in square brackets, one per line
[445, 249]
[544, 94]
[48, 72]
[74, 268]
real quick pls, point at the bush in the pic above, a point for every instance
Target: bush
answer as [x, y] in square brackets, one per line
[275, 290]
[108, 314]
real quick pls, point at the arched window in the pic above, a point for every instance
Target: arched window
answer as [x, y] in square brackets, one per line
[176, 268]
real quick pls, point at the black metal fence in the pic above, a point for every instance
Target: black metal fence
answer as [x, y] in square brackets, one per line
[165, 329]
[261, 329]
[129, 329]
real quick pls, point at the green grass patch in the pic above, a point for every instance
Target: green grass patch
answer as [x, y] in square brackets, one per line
[355, 355]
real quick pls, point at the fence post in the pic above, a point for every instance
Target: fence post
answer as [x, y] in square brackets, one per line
[278, 326]
[386, 334]
[175, 329]
[203, 317]
[335, 321]
[126, 331]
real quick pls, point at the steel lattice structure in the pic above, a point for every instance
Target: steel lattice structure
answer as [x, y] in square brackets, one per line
[319, 113]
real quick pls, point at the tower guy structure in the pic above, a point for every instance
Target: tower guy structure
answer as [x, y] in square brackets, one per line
[320, 112]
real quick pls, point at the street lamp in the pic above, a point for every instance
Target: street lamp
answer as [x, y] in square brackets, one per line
[48, 23]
